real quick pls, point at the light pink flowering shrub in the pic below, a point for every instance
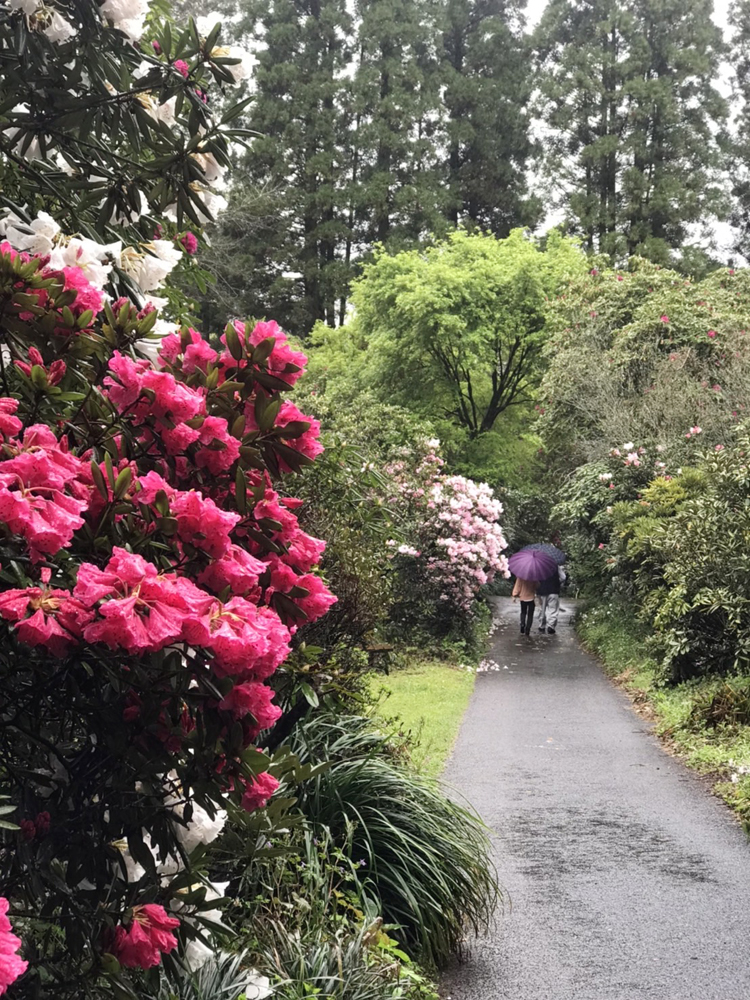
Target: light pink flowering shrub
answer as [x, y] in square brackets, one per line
[455, 541]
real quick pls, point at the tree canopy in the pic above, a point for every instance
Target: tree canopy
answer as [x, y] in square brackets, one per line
[459, 326]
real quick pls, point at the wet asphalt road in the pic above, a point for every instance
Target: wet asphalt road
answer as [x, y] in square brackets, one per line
[626, 879]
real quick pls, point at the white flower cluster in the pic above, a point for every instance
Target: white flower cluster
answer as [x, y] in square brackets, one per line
[202, 828]
[128, 16]
[147, 265]
[52, 24]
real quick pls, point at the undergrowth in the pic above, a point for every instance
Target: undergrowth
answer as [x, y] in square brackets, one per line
[706, 720]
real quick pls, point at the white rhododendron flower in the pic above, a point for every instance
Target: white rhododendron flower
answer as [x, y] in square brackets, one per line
[93, 258]
[27, 6]
[202, 829]
[210, 167]
[58, 30]
[239, 70]
[37, 236]
[149, 266]
[127, 15]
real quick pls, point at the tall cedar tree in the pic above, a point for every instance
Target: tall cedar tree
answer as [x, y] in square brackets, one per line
[635, 125]
[487, 76]
[376, 121]
[396, 104]
[739, 19]
[292, 260]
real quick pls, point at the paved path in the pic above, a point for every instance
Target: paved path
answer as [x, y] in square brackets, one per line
[627, 880]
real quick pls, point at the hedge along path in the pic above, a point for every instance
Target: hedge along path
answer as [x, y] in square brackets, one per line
[626, 878]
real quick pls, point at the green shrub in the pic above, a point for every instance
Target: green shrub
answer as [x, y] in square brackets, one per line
[426, 858]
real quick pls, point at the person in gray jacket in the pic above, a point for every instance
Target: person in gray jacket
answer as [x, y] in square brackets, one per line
[548, 591]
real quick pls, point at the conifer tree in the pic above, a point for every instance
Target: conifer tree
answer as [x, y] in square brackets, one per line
[297, 115]
[486, 74]
[739, 19]
[396, 99]
[635, 121]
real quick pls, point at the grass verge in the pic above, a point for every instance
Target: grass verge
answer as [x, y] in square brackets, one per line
[706, 722]
[428, 698]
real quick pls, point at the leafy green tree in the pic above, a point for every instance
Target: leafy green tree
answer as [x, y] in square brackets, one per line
[486, 73]
[636, 121]
[458, 329]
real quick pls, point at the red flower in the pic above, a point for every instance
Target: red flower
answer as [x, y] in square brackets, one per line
[148, 937]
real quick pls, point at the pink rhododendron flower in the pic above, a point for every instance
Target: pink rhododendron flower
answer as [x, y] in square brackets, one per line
[55, 619]
[148, 937]
[258, 791]
[36, 487]
[202, 523]
[664, 319]
[254, 699]
[11, 965]
[196, 355]
[9, 424]
[245, 640]
[190, 243]
[138, 609]
[182, 67]
[283, 362]
[87, 297]
[220, 450]
[237, 569]
[304, 551]
[306, 444]
[136, 387]
[711, 334]
[719, 447]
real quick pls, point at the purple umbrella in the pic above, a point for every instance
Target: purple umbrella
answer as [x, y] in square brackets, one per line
[531, 564]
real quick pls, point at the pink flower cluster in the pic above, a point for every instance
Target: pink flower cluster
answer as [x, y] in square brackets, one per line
[468, 549]
[11, 966]
[458, 542]
[146, 939]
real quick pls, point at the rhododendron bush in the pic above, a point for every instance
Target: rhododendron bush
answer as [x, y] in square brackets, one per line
[154, 574]
[454, 544]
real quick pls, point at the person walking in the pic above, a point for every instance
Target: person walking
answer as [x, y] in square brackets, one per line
[548, 591]
[525, 591]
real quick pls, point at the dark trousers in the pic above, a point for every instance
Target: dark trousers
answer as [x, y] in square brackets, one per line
[527, 616]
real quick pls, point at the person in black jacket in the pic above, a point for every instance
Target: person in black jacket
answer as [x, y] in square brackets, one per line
[549, 593]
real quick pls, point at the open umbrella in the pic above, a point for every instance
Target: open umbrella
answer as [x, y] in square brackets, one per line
[531, 564]
[549, 550]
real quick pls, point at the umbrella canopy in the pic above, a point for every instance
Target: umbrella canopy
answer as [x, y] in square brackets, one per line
[549, 550]
[531, 564]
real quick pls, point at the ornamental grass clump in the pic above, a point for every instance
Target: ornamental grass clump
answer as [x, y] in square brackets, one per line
[426, 858]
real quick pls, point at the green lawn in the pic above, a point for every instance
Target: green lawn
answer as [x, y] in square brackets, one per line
[429, 698]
